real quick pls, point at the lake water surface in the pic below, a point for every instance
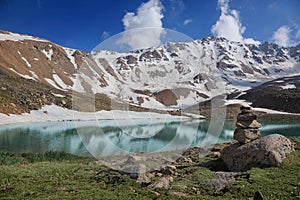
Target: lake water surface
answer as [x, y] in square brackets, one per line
[112, 137]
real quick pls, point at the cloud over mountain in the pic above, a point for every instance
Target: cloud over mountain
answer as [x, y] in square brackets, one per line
[229, 24]
[286, 35]
[144, 28]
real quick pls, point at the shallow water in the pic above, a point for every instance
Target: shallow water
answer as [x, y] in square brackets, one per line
[114, 137]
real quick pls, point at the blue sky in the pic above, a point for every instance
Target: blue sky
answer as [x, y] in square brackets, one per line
[84, 24]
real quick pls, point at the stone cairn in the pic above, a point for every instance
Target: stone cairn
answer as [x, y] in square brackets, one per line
[247, 126]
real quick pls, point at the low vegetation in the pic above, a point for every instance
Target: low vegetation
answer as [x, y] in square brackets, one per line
[57, 175]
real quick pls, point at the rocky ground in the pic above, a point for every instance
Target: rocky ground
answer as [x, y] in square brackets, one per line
[19, 95]
[282, 94]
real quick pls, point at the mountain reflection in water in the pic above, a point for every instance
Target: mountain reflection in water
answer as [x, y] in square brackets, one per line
[111, 137]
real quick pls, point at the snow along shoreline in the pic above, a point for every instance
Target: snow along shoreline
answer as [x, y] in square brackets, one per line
[55, 113]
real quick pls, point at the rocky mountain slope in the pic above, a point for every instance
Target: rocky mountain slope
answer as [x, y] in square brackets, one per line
[19, 95]
[172, 75]
[281, 94]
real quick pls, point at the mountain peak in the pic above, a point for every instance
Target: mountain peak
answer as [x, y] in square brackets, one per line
[6, 35]
[146, 77]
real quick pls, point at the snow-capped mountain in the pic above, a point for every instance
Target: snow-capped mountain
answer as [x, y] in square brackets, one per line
[173, 74]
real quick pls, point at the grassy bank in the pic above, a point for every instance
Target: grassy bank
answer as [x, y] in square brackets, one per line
[56, 175]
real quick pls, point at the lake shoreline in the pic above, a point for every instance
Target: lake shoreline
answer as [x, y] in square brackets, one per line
[54, 113]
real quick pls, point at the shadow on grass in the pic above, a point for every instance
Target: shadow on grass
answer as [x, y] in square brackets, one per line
[215, 165]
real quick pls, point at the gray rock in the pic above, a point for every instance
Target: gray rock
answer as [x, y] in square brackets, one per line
[168, 170]
[163, 182]
[248, 124]
[137, 172]
[245, 109]
[246, 135]
[249, 116]
[184, 160]
[223, 180]
[266, 151]
[132, 159]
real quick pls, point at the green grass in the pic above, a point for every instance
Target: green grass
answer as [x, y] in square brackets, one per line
[57, 175]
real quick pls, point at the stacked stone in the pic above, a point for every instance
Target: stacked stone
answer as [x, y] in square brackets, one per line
[247, 127]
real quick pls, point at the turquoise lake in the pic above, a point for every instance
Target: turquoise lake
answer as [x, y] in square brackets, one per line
[112, 137]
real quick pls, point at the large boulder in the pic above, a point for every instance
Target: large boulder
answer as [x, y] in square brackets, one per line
[270, 150]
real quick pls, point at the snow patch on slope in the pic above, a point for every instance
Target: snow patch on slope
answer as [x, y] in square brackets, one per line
[26, 61]
[60, 82]
[56, 113]
[289, 86]
[49, 53]
[21, 75]
[53, 83]
[70, 53]
[19, 37]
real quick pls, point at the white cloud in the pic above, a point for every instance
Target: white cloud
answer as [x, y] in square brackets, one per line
[187, 21]
[229, 24]
[282, 36]
[144, 28]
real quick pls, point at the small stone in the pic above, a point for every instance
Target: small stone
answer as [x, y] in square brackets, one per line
[183, 159]
[168, 170]
[13, 105]
[159, 174]
[156, 193]
[216, 154]
[34, 106]
[131, 160]
[163, 182]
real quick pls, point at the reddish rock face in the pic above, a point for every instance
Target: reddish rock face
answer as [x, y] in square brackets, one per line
[166, 97]
[36, 59]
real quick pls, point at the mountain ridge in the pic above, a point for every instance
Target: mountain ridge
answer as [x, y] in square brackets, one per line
[172, 75]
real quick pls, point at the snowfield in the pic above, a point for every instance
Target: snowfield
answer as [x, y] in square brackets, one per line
[56, 113]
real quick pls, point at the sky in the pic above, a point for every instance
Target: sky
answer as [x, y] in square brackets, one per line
[84, 24]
